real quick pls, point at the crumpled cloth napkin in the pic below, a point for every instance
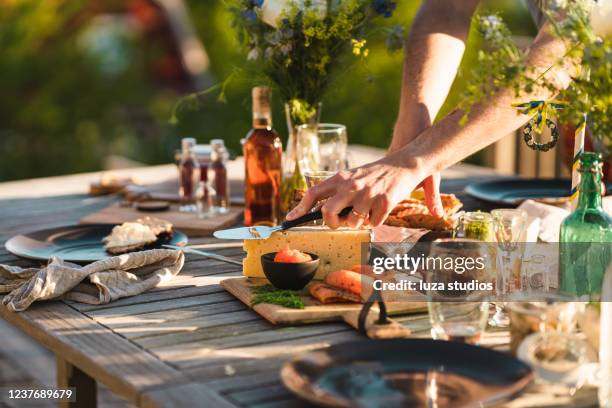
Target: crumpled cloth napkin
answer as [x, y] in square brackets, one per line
[552, 216]
[97, 283]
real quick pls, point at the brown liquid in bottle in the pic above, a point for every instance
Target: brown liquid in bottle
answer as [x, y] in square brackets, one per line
[263, 158]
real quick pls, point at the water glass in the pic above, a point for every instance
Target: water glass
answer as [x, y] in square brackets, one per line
[458, 315]
[322, 148]
[509, 227]
[317, 177]
[542, 312]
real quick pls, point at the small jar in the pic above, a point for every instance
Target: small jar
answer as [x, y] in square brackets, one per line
[476, 225]
[219, 179]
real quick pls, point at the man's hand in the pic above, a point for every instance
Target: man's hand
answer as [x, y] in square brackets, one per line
[431, 186]
[372, 190]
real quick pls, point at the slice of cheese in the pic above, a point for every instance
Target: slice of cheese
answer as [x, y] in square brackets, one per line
[337, 249]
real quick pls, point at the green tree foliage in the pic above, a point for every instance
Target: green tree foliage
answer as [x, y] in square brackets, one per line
[63, 110]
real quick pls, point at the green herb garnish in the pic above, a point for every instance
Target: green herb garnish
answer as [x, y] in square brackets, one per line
[478, 230]
[280, 297]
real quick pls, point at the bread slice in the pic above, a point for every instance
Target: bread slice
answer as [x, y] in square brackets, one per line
[136, 235]
[158, 226]
[413, 213]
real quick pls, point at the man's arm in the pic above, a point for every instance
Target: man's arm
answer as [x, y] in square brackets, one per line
[377, 187]
[433, 52]
[447, 142]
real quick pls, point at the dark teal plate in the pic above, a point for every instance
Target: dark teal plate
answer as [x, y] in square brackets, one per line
[75, 243]
[514, 192]
[406, 373]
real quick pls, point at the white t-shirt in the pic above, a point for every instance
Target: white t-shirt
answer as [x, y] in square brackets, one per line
[535, 8]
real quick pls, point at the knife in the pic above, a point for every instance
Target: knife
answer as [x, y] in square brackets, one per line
[204, 253]
[263, 232]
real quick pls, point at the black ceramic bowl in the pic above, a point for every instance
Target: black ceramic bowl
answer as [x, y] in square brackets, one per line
[287, 275]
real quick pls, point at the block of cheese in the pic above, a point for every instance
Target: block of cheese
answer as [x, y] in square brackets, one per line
[337, 249]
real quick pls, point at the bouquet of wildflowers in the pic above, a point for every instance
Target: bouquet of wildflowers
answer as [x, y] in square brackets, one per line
[299, 45]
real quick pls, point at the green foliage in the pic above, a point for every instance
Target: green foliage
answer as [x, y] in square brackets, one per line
[501, 65]
[60, 113]
[63, 109]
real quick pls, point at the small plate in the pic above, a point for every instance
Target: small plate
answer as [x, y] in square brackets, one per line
[514, 192]
[74, 243]
[406, 373]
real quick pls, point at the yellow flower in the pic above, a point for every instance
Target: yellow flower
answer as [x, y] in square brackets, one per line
[357, 47]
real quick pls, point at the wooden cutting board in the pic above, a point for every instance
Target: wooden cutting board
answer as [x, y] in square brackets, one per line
[168, 191]
[315, 312]
[189, 223]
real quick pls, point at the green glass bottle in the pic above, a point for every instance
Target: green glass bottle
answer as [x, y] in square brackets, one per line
[586, 235]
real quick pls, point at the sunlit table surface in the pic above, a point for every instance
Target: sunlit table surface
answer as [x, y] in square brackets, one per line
[188, 342]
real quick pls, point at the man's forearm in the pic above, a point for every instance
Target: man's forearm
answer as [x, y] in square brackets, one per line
[447, 142]
[433, 52]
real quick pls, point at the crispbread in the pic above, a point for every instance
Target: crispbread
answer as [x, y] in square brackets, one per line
[413, 213]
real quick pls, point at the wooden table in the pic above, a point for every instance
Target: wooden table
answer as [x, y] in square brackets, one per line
[188, 342]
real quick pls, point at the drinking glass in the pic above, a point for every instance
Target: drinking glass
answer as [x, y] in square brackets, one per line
[314, 178]
[322, 148]
[458, 315]
[543, 333]
[509, 226]
[321, 153]
[542, 312]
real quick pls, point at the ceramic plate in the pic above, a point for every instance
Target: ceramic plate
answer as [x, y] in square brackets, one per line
[406, 373]
[75, 243]
[514, 192]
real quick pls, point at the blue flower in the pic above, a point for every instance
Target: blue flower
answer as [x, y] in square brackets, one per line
[384, 7]
[249, 15]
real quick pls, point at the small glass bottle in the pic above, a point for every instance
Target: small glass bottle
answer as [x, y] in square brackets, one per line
[219, 180]
[202, 152]
[189, 175]
[585, 236]
[206, 196]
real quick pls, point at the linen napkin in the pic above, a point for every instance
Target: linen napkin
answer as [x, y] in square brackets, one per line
[97, 283]
[551, 216]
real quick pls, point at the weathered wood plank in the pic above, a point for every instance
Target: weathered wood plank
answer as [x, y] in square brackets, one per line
[255, 347]
[204, 334]
[270, 393]
[190, 287]
[169, 329]
[163, 305]
[97, 351]
[237, 367]
[293, 402]
[184, 396]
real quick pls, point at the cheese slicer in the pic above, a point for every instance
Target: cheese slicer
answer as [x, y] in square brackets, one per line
[263, 232]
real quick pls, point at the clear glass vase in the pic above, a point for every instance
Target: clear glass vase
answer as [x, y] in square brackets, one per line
[294, 185]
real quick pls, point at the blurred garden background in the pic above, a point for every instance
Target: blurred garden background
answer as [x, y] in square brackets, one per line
[83, 82]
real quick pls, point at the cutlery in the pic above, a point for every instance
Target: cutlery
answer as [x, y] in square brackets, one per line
[263, 232]
[211, 255]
